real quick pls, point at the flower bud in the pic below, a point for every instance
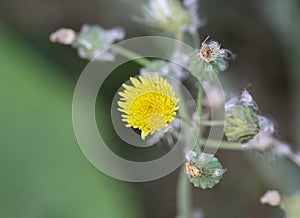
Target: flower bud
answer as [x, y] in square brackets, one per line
[167, 15]
[92, 39]
[241, 124]
[271, 198]
[203, 170]
[208, 61]
[63, 36]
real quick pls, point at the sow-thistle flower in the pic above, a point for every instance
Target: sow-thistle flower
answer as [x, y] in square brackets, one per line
[203, 170]
[148, 105]
[205, 63]
[167, 15]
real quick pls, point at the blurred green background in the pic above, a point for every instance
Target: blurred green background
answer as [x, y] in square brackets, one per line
[44, 173]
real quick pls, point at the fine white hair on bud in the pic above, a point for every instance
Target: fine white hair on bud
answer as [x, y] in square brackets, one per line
[266, 126]
[190, 155]
[63, 36]
[231, 104]
[247, 100]
[219, 172]
[260, 142]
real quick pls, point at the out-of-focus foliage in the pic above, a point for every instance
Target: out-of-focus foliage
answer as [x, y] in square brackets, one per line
[43, 172]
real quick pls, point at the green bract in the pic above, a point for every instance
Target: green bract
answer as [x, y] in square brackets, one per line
[93, 39]
[241, 124]
[212, 171]
[204, 70]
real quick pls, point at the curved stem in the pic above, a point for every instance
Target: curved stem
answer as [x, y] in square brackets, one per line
[130, 55]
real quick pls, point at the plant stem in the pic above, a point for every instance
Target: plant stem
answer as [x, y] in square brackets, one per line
[183, 196]
[199, 102]
[224, 145]
[212, 122]
[183, 187]
[130, 55]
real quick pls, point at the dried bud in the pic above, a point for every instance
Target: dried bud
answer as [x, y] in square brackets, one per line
[271, 198]
[203, 170]
[208, 61]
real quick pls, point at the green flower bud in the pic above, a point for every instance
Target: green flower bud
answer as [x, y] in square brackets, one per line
[242, 124]
[204, 170]
[93, 39]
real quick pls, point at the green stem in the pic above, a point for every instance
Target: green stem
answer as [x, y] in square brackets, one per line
[199, 102]
[224, 145]
[130, 55]
[183, 187]
[183, 196]
[212, 122]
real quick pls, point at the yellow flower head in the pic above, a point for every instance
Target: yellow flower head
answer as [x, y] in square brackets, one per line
[148, 105]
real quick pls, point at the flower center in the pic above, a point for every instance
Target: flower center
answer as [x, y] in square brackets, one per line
[206, 53]
[157, 121]
[151, 111]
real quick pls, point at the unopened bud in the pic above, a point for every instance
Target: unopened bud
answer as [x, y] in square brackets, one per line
[241, 124]
[64, 36]
[271, 198]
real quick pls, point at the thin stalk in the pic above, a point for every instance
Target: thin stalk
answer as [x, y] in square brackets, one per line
[224, 145]
[130, 55]
[199, 102]
[183, 187]
[184, 196]
[211, 122]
